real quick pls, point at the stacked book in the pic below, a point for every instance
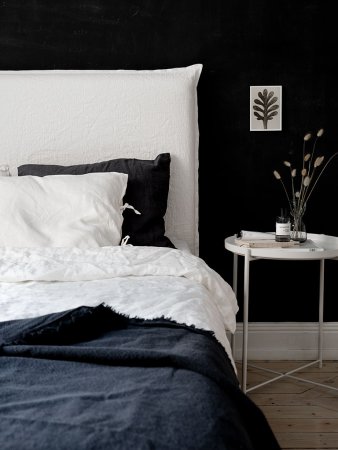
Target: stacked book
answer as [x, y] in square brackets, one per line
[255, 239]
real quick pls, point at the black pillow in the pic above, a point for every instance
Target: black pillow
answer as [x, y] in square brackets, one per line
[147, 191]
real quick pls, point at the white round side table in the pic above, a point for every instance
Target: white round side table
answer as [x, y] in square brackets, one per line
[317, 247]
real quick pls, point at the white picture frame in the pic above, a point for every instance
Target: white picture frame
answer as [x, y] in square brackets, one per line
[265, 108]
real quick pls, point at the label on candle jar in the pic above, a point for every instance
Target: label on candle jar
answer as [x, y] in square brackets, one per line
[283, 229]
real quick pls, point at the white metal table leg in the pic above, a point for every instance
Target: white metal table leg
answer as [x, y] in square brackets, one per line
[245, 320]
[234, 288]
[321, 312]
[234, 274]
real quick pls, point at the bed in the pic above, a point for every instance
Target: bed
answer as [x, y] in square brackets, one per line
[113, 332]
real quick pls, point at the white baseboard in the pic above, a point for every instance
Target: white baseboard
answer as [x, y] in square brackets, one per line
[287, 340]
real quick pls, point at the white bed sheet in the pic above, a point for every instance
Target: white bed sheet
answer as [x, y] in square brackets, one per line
[145, 282]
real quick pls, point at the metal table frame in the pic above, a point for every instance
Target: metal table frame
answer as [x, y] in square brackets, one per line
[317, 247]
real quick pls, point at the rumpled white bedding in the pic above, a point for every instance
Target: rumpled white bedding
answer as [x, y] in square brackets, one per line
[145, 282]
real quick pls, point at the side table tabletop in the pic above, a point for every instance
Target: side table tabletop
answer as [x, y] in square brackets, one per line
[317, 247]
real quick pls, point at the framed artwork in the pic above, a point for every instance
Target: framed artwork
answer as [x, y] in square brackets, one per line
[265, 108]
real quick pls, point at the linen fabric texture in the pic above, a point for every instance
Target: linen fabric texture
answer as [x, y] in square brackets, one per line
[62, 211]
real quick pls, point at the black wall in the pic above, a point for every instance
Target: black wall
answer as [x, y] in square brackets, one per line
[240, 43]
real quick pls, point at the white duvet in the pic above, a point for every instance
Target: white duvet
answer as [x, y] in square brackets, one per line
[144, 282]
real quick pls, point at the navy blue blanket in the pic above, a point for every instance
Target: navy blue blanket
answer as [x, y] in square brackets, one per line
[92, 379]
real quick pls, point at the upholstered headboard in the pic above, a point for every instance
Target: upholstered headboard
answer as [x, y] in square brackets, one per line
[74, 117]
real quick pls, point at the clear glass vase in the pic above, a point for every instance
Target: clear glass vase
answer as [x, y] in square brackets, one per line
[298, 229]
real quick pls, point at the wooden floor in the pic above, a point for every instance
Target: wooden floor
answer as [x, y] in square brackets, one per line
[301, 415]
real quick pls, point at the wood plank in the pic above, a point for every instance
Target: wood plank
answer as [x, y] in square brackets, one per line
[298, 412]
[290, 392]
[304, 425]
[280, 399]
[308, 440]
[284, 387]
[326, 402]
[327, 367]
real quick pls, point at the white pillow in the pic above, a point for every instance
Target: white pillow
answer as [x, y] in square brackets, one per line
[62, 210]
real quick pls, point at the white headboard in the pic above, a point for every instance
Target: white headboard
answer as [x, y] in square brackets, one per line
[73, 117]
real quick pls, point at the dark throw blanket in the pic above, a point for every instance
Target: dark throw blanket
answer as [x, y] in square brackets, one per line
[92, 379]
